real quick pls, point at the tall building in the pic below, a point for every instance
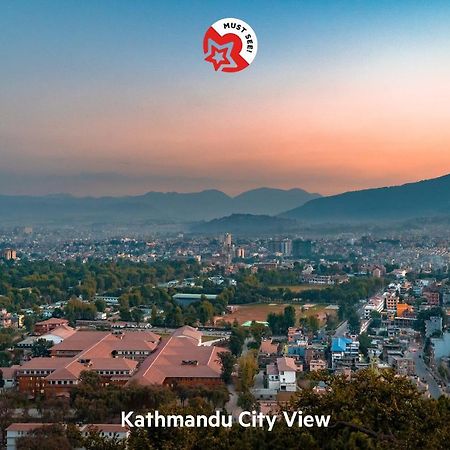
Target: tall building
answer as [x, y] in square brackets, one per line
[283, 246]
[227, 247]
[9, 254]
[227, 241]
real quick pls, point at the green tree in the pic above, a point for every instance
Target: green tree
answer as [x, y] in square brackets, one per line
[289, 316]
[227, 360]
[137, 315]
[205, 312]
[41, 347]
[237, 340]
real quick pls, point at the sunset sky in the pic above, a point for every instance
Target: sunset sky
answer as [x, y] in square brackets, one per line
[114, 97]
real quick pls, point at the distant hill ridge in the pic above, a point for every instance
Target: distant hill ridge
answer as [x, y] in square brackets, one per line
[425, 198]
[243, 224]
[150, 207]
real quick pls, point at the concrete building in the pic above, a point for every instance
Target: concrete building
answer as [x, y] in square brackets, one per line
[186, 299]
[391, 301]
[374, 304]
[344, 352]
[9, 254]
[317, 364]
[282, 375]
[404, 366]
[48, 325]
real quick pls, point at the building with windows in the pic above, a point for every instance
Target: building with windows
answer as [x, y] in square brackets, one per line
[282, 375]
[48, 325]
[344, 352]
[374, 304]
[9, 254]
[118, 357]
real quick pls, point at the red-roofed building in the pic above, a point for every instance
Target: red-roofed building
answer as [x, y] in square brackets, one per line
[48, 325]
[120, 357]
[182, 359]
[282, 375]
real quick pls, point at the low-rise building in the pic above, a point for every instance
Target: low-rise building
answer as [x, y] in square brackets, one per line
[374, 304]
[404, 366]
[344, 352]
[317, 364]
[48, 325]
[282, 375]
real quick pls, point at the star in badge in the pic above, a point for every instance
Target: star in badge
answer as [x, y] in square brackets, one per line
[220, 55]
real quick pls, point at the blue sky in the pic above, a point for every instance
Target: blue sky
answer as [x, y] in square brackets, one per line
[95, 91]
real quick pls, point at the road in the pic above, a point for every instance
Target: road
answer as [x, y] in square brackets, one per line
[423, 372]
[341, 330]
[231, 406]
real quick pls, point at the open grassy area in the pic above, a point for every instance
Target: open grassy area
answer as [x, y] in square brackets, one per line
[300, 287]
[260, 311]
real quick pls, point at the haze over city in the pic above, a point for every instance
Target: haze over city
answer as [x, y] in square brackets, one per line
[104, 98]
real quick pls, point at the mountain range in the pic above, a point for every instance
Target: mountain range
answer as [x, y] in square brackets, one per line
[153, 207]
[423, 199]
[246, 224]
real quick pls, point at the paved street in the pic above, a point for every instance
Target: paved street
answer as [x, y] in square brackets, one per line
[423, 372]
[341, 330]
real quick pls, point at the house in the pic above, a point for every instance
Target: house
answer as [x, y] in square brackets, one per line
[282, 375]
[314, 352]
[317, 364]
[57, 335]
[374, 304]
[344, 352]
[267, 352]
[295, 334]
[8, 376]
[404, 366]
[432, 295]
[107, 430]
[48, 325]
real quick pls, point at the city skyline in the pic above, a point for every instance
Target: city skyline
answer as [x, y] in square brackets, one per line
[109, 98]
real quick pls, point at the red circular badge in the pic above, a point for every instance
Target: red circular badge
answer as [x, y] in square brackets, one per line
[230, 45]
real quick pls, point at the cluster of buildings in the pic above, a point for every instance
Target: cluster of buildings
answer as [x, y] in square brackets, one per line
[118, 357]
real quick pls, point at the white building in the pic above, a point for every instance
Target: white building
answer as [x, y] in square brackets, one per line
[109, 300]
[282, 376]
[374, 304]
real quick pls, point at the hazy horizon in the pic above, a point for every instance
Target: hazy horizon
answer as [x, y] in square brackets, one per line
[114, 98]
[230, 194]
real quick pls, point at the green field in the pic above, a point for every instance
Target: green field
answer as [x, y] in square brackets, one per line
[300, 287]
[260, 311]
